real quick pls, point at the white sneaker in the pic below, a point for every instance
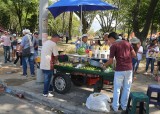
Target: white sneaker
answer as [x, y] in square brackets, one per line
[145, 73]
[50, 95]
[45, 95]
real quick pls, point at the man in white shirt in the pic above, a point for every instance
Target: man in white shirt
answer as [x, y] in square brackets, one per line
[49, 57]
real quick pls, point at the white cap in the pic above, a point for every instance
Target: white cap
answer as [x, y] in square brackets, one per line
[26, 31]
[84, 35]
[106, 33]
[14, 35]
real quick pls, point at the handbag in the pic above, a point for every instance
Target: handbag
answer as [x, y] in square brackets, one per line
[26, 52]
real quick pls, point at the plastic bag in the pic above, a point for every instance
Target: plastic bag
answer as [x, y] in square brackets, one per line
[98, 102]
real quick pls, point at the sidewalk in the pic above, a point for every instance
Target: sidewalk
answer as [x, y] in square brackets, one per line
[73, 102]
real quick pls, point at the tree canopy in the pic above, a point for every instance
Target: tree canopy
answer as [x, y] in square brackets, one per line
[139, 16]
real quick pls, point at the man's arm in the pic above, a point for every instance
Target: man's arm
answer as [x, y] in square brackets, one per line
[109, 62]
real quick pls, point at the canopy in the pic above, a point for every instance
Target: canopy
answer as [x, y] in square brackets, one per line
[78, 5]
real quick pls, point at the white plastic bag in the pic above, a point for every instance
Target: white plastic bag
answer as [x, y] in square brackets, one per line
[98, 102]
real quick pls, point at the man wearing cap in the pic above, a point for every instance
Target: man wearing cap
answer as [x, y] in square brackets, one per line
[27, 43]
[49, 57]
[135, 42]
[6, 46]
[106, 41]
[123, 53]
[84, 42]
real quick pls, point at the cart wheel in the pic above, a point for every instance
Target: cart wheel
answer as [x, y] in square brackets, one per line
[62, 83]
[77, 80]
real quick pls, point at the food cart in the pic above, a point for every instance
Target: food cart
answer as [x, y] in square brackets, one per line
[79, 74]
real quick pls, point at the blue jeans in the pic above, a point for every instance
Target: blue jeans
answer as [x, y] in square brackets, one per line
[6, 53]
[148, 61]
[29, 60]
[137, 65]
[134, 60]
[122, 79]
[47, 81]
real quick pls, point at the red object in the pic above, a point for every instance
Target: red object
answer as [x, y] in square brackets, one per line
[106, 82]
[87, 50]
[92, 81]
[52, 62]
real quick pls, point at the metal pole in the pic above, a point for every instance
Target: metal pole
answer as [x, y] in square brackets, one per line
[43, 31]
[43, 19]
[81, 25]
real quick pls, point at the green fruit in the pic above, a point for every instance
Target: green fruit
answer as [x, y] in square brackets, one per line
[81, 51]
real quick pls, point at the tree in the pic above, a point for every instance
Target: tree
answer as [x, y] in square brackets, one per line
[21, 8]
[87, 20]
[143, 32]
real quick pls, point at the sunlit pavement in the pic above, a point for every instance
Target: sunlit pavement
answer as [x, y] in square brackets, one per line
[13, 105]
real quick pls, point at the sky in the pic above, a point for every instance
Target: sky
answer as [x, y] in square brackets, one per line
[95, 25]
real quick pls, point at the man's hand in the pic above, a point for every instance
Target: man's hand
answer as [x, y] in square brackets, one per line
[103, 66]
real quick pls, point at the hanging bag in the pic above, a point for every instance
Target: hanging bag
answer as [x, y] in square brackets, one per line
[27, 52]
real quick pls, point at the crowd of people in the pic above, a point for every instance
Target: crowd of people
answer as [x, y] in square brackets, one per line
[13, 47]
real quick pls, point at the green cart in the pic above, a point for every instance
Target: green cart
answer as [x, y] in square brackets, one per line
[64, 76]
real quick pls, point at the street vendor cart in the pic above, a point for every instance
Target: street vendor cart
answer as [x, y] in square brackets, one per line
[79, 74]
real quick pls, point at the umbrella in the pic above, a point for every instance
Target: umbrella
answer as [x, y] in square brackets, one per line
[79, 5]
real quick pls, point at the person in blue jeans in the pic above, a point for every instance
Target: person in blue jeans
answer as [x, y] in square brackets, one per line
[49, 57]
[123, 52]
[25, 43]
[152, 51]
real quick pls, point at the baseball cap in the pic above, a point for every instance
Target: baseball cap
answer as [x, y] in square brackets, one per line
[84, 35]
[36, 33]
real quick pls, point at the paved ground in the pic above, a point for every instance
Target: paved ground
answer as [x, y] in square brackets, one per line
[13, 105]
[73, 100]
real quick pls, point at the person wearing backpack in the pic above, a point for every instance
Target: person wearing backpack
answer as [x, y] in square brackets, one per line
[27, 50]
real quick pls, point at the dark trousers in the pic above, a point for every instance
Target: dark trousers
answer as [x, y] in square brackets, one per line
[148, 61]
[67, 39]
[17, 58]
[6, 53]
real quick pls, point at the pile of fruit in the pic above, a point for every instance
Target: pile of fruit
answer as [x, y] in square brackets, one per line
[108, 69]
[91, 68]
[66, 64]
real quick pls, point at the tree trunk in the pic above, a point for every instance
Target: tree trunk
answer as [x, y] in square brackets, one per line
[70, 25]
[63, 23]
